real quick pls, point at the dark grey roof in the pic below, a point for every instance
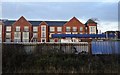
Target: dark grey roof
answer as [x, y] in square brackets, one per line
[55, 23]
[8, 23]
[36, 23]
[90, 21]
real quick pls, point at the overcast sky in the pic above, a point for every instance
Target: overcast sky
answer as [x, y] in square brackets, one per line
[106, 12]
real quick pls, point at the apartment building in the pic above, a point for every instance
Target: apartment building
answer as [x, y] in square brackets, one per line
[23, 30]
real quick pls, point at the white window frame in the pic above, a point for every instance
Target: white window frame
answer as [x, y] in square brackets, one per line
[43, 28]
[44, 34]
[67, 29]
[74, 29]
[8, 28]
[35, 35]
[17, 28]
[35, 28]
[92, 29]
[52, 29]
[81, 28]
[9, 36]
[18, 35]
[25, 34]
[26, 28]
[59, 29]
[0, 28]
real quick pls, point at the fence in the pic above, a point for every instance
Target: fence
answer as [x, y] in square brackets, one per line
[16, 60]
[105, 47]
[49, 47]
[94, 47]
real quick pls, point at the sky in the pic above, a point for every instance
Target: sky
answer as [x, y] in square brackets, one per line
[106, 11]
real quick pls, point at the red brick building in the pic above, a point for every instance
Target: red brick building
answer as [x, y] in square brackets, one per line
[22, 30]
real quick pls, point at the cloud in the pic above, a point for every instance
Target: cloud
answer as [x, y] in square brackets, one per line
[62, 10]
[108, 26]
[104, 11]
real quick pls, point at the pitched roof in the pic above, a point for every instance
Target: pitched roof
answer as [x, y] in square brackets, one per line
[55, 23]
[36, 23]
[8, 22]
[91, 21]
[74, 20]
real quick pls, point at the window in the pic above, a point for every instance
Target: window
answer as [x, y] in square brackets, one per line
[26, 28]
[35, 35]
[52, 29]
[43, 34]
[0, 28]
[92, 29]
[17, 35]
[25, 35]
[74, 28]
[8, 35]
[43, 28]
[59, 29]
[35, 29]
[8, 28]
[17, 28]
[67, 29]
[81, 28]
[0, 35]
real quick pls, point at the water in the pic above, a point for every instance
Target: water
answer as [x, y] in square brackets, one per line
[106, 47]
